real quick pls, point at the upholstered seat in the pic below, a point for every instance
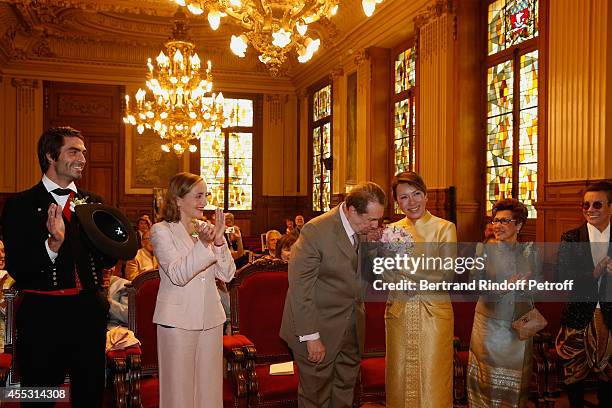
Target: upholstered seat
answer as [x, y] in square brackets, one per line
[257, 301]
[143, 368]
[371, 383]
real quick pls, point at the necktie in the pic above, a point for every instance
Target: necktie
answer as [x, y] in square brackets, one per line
[62, 191]
[68, 215]
[65, 192]
[66, 210]
[356, 242]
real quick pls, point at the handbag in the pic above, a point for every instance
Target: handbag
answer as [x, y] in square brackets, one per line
[529, 324]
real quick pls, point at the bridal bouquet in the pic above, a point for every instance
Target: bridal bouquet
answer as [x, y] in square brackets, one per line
[397, 240]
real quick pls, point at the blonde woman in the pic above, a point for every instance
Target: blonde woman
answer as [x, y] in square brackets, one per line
[188, 313]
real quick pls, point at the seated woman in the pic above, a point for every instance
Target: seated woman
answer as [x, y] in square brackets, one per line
[144, 261]
[283, 247]
[499, 365]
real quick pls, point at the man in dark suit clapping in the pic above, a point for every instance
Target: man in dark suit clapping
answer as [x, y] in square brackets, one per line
[585, 341]
[61, 322]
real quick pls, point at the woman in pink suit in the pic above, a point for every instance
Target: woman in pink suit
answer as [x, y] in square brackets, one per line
[188, 313]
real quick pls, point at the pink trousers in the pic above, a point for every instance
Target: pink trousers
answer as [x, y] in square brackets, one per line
[190, 367]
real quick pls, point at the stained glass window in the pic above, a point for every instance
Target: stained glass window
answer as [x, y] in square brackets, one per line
[511, 22]
[512, 103]
[322, 103]
[402, 139]
[404, 112]
[321, 149]
[405, 73]
[226, 158]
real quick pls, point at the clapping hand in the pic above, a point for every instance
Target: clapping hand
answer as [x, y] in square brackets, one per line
[219, 236]
[603, 266]
[56, 227]
[208, 232]
[518, 277]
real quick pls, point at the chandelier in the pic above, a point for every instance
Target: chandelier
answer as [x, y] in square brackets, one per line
[180, 107]
[272, 27]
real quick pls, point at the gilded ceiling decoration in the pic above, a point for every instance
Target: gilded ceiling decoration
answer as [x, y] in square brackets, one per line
[123, 33]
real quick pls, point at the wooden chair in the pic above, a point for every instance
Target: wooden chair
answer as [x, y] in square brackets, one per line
[142, 366]
[10, 375]
[257, 300]
[463, 313]
[463, 320]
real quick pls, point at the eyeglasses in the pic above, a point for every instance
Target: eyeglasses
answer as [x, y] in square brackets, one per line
[502, 221]
[597, 205]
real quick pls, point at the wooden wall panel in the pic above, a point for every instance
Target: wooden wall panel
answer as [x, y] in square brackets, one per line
[435, 114]
[101, 152]
[560, 209]
[101, 182]
[26, 131]
[578, 140]
[95, 110]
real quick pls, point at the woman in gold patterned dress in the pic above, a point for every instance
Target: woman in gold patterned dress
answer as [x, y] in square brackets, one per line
[499, 365]
[419, 329]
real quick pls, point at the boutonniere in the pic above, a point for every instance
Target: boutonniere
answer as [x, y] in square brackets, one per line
[78, 201]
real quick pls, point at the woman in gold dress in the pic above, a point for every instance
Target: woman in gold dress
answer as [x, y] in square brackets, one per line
[419, 329]
[499, 365]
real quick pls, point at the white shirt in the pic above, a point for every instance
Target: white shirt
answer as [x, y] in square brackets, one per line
[60, 200]
[350, 232]
[347, 225]
[600, 250]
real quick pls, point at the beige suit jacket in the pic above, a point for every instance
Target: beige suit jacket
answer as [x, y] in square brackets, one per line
[188, 297]
[324, 286]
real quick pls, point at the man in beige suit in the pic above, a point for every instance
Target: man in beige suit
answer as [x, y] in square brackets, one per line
[323, 319]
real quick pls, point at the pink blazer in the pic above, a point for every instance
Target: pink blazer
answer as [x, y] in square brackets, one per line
[188, 297]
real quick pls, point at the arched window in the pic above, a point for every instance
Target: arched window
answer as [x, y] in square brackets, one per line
[512, 102]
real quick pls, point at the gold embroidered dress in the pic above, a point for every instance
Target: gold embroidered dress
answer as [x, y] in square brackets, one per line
[500, 364]
[419, 330]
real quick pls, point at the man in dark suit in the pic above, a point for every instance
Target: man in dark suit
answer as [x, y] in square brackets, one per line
[324, 315]
[585, 341]
[61, 322]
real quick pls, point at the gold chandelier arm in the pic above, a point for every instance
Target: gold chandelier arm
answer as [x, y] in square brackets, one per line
[310, 4]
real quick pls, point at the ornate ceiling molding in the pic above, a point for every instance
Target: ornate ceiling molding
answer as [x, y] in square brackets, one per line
[390, 25]
[24, 83]
[122, 34]
[434, 11]
[336, 73]
[163, 8]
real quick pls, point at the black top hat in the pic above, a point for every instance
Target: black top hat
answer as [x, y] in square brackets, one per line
[108, 230]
